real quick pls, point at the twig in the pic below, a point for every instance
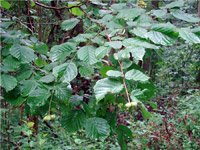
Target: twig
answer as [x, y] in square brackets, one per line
[124, 81]
[51, 102]
[55, 8]
[123, 76]
[18, 20]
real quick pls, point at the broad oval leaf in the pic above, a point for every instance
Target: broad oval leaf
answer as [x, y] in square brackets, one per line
[132, 13]
[97, 127]
[136, 52]
[41, 48]
[86, 71]
[145, 113]
[161, 13]
[83, 37]
[10, 64]
[188, 35]
[59, 69]
[74, 121]
[139, 43]
[102, 51]
[159, 38]
[185, 17]
[137, 93]
[166, 28]
[114, 44]
[8, 82]
[178, 3]
[38, 98]
[22, 53]
[60, 52]
[114, 73]
[136, 75]
[62, 91]
[69, 24]
[105, 86]
[87, 54]
[27, 86]
[140, 32]
[68, 71]
[123, 133]
[47, 79]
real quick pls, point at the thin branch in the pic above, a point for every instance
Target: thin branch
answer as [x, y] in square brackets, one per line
[124, 81]
[123, 75]
[50, 102]
[18, 20]
[55, 8]
[91, 19]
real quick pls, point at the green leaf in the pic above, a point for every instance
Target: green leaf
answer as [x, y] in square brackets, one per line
[16, 102]
[137, 94]
[76, 100]
[118, 6]
[98, 40]
[28, 86]
[148, 90]
[47, 79]
[87, 54]
[69, 24]
[97, 127]
[140, 32]
[184, 16]
[75, 10]
[86, 71]
[105, 86]
[62, 92]
[83, 37]
[136, 52]
[74, 121]
[196, 31]
[138, 43]
[136, 75]
[68, 71]
[188, 35]
[102, 51]
[159, 38]
[123, 134]
[25, 72]
[10, 64]
[114, 44]
[123, 54]
[41, 48]
[177, 3]
[39, 62]
[38, 98]
[114, 73]
[104, 69]
[132, 13]
[5, 4]
[161, 13]
[8, 82]
[60, 52]
[22, 53]
[167, 29]
[145, 113]
[58, 70]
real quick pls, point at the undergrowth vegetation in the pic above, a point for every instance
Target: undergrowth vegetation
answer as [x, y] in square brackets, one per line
[97, 74]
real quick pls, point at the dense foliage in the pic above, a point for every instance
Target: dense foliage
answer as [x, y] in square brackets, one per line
[100, 74]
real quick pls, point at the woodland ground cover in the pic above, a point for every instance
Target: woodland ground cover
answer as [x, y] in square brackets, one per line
[99, 74]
